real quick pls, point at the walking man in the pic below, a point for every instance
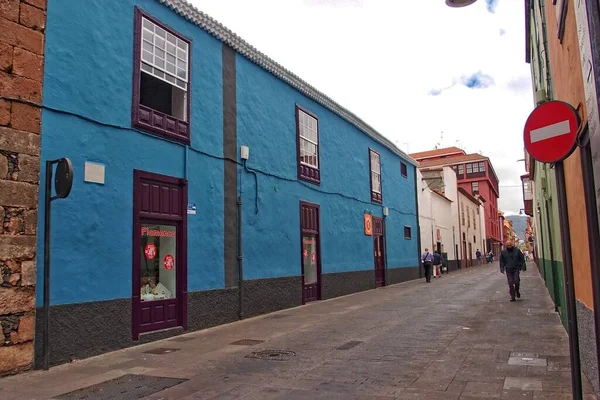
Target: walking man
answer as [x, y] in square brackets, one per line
[427, 259]
[437, 264]
[478, 255]
[512, 260]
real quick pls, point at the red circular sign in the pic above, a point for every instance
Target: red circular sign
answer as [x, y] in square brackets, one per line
[150, 251]
[168, 262]
[550, 133]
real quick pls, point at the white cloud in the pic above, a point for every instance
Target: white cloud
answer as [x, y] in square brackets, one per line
[382, 60]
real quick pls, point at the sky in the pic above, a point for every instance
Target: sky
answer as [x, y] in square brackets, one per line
[421, 73]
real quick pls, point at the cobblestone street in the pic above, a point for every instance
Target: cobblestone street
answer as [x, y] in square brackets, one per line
[456, 338]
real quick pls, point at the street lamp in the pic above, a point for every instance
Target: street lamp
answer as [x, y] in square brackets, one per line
[459, 3]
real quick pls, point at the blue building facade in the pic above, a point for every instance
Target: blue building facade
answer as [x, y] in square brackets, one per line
[153, 101]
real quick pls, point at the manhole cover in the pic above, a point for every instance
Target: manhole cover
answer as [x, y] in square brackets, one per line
[160, 350]
[349, 345]
[275, 355]
[123, 388]
[246, 342]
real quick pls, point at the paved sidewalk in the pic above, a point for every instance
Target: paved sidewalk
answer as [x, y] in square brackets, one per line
[456, 338]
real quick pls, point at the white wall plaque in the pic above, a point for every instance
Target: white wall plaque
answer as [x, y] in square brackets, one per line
[94, 173]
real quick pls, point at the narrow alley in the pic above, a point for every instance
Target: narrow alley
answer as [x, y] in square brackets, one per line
[457, 338]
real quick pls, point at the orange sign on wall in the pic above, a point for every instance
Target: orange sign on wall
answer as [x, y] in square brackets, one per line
[368, 225]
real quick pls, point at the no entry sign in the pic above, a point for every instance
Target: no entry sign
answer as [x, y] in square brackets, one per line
[550, 133]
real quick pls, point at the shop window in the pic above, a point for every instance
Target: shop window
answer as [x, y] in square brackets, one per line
[309, 259]
[307, 127]
[403, 170]
[159, 262]
[375, 166]
[161, 103]
[407, 232]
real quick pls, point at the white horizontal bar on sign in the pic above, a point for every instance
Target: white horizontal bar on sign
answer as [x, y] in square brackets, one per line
[550, 131]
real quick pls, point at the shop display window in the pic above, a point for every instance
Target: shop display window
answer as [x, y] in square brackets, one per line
[309, 259]
[159, 262]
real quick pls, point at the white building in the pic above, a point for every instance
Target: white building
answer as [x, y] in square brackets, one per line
[471, 226]
[438, 213]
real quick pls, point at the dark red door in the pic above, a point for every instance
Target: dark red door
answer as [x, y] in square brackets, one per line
[159, 253]
[379, 251]
[310, 252]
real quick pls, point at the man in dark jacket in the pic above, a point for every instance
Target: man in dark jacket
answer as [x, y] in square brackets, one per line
[512, 261]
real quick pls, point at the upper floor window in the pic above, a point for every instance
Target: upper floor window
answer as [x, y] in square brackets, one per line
[407, 232]
[462, 213]
[461, 169]
[307, 126]
[482, 166]
[403, 169]
[375, 165]
[161, 103]
[475, 187]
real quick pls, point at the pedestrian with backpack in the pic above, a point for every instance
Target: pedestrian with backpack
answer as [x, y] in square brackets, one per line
[427, 259]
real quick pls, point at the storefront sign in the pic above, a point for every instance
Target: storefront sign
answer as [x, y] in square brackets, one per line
[168, 262]
[150, 251]
[368, 224]
[157, 233]
[191, 208]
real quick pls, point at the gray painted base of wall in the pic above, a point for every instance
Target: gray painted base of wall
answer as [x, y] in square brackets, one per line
[587, 345]
[453, 265]
[399, 275]
[87, 329]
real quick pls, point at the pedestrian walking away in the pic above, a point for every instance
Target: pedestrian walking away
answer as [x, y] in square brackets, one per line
[427, 259]
[512, 261]
[478, 255]
[437, 264]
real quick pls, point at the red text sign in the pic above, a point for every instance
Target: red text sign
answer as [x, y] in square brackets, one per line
[550, 133]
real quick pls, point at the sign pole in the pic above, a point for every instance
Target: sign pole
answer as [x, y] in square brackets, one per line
[47, 210]
[550, 136]
[565, 237]
[62, 184]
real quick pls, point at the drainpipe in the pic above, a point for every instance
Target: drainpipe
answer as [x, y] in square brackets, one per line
[417, 188]
[541, 233]
[240, 258]
[551, 248]
[545, 44]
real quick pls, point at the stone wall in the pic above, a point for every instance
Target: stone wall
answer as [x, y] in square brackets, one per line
[22, 24]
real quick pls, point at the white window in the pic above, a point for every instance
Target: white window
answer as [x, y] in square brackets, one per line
[164, 67]
[309, 139]
[461, 169]
[375, 173]
[469, 168]
[482, 167]
[475, 187]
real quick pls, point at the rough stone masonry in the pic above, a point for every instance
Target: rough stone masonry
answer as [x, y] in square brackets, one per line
[22, 24]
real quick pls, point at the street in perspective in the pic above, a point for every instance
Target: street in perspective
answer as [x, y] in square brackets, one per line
[299, 199]
[458, 338]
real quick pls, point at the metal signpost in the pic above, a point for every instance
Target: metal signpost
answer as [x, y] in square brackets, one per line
[550, 136]
[63, 181]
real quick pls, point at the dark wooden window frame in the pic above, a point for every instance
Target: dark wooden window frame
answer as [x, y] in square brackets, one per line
[144, 118]
[562, 17]
[139, 218]
[376, 197]
[407, 232]
[306, 172]
[403, 169]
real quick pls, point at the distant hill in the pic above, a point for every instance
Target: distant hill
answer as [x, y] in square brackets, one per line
[519, 224]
